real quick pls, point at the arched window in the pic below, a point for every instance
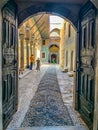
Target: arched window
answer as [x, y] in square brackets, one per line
[66, 58]
[69, 30]
[71, 66]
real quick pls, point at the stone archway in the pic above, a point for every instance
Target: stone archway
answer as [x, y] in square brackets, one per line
[35, 8]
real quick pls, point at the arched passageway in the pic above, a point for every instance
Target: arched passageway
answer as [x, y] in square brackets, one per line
[85, 99]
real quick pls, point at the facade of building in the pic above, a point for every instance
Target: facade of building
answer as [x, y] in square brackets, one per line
[67, 49]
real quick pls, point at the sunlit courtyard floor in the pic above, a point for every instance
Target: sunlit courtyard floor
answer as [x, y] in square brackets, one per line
[45, 99]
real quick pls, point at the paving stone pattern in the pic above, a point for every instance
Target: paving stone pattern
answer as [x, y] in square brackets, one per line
[26, 90]
[47, 107]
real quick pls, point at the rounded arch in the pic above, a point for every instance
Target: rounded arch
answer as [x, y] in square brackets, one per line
[50, 8]
[55, 30]
[55, 44]
[54, 34]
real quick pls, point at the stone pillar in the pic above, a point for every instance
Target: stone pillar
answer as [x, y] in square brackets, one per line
[27, 42]
[1, 115]
[31, 48]
[62, 50]
[21, 52]
[34, 51]
[95, 123]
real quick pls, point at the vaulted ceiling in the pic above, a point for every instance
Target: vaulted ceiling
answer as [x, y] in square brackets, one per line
[42, 23]
[32, 8]
[68, 9]
[65, 8]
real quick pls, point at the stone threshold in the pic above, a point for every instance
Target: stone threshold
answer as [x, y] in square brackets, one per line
[51, 128]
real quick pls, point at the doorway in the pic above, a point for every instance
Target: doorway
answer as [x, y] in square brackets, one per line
[53, 58]
[10, 67]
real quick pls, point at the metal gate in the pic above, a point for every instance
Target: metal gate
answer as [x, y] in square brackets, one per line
[9, 62]
[86, 79]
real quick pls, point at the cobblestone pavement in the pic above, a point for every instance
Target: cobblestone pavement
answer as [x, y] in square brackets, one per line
[47, 107]
[66, 85]
[28, 86]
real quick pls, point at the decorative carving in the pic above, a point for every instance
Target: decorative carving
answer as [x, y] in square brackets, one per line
[87, 64]
[9, 66]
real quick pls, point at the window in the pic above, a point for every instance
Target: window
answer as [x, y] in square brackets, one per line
[43, 54]
[69, 30]
[43, 42]
[66, 58]
[72, 60]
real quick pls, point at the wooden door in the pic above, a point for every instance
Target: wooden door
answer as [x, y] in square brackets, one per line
[86, 80]
[9, 62]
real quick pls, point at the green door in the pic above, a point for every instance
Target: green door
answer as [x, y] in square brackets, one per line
[9, 62]
[86, 68]
[86, 79]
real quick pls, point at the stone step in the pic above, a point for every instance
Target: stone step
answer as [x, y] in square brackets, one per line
[52, 128]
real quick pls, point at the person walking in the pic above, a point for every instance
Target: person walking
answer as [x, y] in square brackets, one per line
[38, 64]
[31, 61]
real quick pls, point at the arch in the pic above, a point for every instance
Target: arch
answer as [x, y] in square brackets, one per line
[56, 30]
[53, 44]
[54, 34]
[52, 8]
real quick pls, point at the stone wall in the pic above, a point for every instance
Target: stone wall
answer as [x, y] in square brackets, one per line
[67, 47]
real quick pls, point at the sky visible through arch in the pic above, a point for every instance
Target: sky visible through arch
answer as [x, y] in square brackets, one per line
[55, 22]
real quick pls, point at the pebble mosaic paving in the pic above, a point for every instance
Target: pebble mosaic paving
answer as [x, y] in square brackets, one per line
[45, 100]
[47, 107]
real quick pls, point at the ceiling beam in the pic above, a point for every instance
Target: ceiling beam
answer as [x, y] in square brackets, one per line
[38, 28]
[36, 22]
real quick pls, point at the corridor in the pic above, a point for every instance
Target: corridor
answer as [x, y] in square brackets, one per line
[45, 99]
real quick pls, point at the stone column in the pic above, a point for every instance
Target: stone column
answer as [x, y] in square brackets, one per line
[62, 49]
[31, 48]
[34, 51]
[21, 52]
[1, 115]
[27, 48]
[95, 123]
